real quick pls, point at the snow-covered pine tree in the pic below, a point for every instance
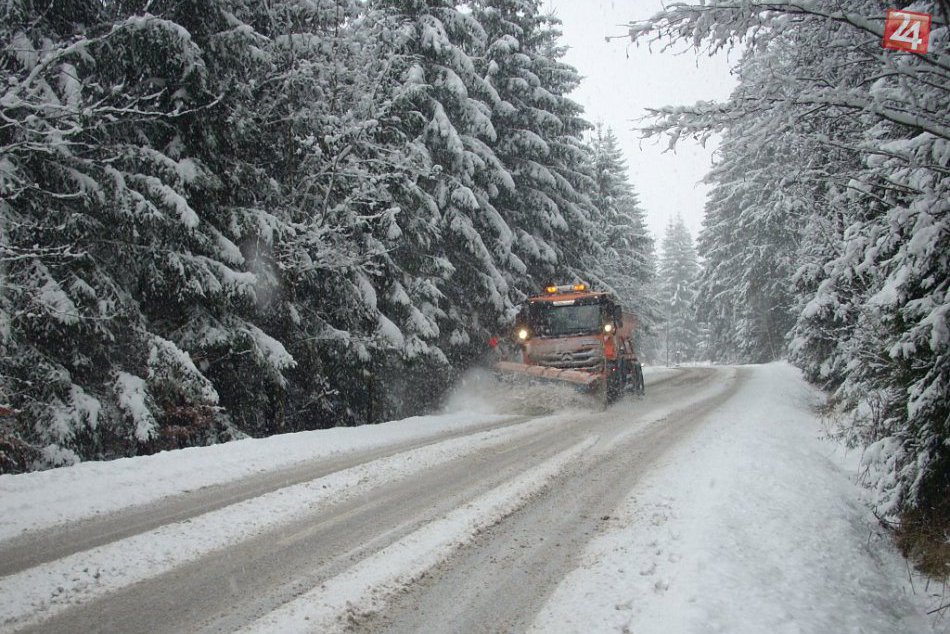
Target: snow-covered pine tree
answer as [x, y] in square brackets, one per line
[679, 270]
[171, 131]
[238, 206]
[316, 126]
[98, 209]
[571, 157]
[826, 310]
[388, 370]
[748, 244]
[458, 244]
[538, 129]
[629, 259]
[885, 288]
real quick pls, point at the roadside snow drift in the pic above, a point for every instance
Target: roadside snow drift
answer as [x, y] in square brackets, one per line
[754, 526]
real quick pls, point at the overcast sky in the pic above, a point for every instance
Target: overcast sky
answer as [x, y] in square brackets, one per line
[622, 79]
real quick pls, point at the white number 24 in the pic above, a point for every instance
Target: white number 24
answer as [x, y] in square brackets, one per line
[908, 32]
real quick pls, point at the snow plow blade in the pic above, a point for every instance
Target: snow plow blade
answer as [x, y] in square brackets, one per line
[577, 377]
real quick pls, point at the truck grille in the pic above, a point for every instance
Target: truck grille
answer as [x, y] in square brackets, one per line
[590, 359]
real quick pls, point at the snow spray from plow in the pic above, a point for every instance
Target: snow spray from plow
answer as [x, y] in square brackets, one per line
[486, 391]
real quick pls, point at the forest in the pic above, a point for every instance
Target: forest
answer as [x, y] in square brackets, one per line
[235, 218]
[231, 218]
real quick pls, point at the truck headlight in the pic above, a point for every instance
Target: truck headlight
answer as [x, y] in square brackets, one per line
[608, 328]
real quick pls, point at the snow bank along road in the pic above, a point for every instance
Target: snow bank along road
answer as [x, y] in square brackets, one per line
[463, 522]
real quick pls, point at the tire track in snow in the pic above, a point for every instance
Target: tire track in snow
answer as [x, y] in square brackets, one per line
[365, 586]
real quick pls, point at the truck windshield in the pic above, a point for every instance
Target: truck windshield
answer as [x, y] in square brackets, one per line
[555, 321]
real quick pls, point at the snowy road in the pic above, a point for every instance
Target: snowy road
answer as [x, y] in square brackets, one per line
[464, 522]
[499, 581]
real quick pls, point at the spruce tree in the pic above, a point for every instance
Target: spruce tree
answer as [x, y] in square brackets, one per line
[629, 259]
[97, 105]
[679, 271]
[444, 282]
[748, 244]
[538, 138]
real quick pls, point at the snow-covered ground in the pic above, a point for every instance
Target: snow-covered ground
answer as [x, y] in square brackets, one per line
[755, 524]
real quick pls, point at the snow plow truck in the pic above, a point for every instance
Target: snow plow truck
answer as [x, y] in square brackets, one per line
[575, 335]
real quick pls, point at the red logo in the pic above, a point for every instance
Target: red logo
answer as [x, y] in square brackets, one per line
[907, 31]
